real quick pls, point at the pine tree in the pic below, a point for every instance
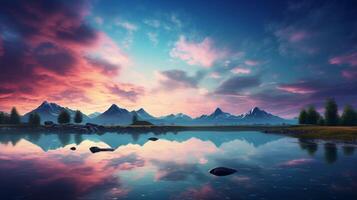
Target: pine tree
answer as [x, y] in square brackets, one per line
[349, 116]
[64, 117]
[34, 119]
[312, 116]
[78, 117]
[321, 121]
[14, 116]
[2, 118]
[331, 113]
[302, 117]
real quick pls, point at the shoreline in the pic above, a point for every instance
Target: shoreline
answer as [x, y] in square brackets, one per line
[337, 133]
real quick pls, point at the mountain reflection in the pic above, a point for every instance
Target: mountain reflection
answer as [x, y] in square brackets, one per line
[54, 171]
[176, 166]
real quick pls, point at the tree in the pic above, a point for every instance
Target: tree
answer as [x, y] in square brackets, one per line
[302, 117]
[34, 119]
[331, 113]
[312, 116]
[321, 121]
[14, 116]
[78, 117]
[349, 116]
[2, 118]
[64, 117]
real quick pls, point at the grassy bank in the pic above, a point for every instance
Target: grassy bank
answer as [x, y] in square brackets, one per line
[341, 133]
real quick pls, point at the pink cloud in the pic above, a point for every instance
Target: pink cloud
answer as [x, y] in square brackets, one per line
[239, 70]
[349, 74]
[201, 53]
[350, 59]
[293, 35]
[298, 36]
[297, 89]
[215, 75]
[63, 59]
[293, 40]
[251, 62]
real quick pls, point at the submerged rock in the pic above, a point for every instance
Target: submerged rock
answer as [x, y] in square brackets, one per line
[73, 148]
[153, 139]
[222, 171]
[98, 149]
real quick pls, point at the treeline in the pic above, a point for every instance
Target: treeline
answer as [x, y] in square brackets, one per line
[35, 119]
[330, 117]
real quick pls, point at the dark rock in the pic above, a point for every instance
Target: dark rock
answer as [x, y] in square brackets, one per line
[98, 149]
[222, 171]
[49, 123]
[73, 148]
[91, 124]
[153, 139]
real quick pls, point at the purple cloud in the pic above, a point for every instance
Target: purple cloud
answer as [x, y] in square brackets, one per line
[174, 79]
[236, 84]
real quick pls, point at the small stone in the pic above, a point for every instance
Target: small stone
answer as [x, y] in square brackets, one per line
[153, 139]
[222, 171]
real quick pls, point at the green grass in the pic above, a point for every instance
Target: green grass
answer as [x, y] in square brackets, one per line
[342, 133]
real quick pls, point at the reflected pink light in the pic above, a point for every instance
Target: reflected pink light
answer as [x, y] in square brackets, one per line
[296, 162]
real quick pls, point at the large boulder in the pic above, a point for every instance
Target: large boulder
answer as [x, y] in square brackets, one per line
[98, 149]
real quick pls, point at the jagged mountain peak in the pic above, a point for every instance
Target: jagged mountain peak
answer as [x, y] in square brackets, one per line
[218, 111]
[143, 114]
[114, 109]
[257, 110]
[141, 110]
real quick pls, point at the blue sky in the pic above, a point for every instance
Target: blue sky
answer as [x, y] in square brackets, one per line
[180, 56]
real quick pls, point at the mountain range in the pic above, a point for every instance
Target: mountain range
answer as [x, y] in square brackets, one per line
[115, 115]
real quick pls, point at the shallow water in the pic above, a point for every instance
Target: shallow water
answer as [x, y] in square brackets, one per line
[42, 166]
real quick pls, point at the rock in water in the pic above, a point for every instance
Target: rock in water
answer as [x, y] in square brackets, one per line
[98, 149]
[222, 171]
[73, 148]
[153, 139]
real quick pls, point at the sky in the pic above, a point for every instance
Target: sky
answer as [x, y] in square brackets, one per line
[178, 56]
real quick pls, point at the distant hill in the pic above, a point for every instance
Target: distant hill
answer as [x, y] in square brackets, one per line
[115, 115]
[254, 116]
[178, 119]
[50, 111]
[93, 115]
[142, 114]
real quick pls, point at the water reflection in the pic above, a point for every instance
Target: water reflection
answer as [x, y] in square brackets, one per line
[348, 150]
[330, 152]
[309, 145]
[174, 167]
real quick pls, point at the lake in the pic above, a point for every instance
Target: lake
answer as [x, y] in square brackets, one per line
[42, 166]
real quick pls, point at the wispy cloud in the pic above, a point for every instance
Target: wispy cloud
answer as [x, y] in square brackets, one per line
[240, 70]
[152, 22]
[350, 59]
[197, 53]
[153, 37]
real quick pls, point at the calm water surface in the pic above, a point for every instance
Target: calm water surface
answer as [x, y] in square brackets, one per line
[42, 166]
